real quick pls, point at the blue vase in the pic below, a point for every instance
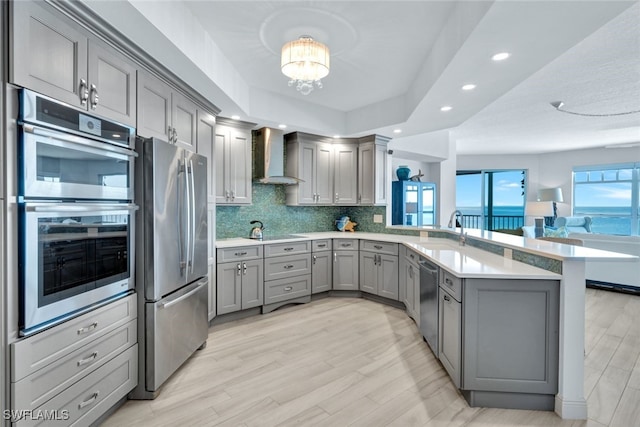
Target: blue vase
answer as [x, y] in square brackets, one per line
[403, 172]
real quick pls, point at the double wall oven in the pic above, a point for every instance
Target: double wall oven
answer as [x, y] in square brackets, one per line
[76, 211]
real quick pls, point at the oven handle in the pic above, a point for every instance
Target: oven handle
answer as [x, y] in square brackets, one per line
[78, 207]
[67, 138]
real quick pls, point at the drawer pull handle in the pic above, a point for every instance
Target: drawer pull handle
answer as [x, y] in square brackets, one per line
[244, 268]
[322, 245]
[89, 359]
[87, 328]
[288, 249]
[238, 269]
[448, 281]
[377, 246]
[241, 253]
[446, 298]
[346, 245]
[315, 258]
[89, 401]
[411, 256]
[288, 266]
[288, 288]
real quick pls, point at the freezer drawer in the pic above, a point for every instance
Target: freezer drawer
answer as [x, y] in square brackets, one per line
[176, 326]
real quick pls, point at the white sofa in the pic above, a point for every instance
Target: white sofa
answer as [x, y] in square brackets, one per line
[615, 272]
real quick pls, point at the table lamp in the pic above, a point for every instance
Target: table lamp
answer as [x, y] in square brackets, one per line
[551, 195]
[538, 210]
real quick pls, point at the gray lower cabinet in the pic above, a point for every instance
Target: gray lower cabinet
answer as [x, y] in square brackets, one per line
[379, 268]
[345, 265]
[409, 284]
[288, 270]
[321, 266]
[81, 368]
[450, 335]
[240, 285]
[511, 336]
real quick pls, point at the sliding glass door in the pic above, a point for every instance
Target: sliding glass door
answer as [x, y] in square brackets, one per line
[491, 199]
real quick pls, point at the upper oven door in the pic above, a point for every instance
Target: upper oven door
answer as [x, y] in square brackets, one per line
[57, 165]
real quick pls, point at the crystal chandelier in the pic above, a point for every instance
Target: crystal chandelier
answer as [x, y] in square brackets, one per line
[305, 61]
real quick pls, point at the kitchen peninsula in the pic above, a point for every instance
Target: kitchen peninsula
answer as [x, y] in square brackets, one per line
[518, 270]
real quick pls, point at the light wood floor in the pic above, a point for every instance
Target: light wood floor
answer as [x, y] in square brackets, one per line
[349, 361]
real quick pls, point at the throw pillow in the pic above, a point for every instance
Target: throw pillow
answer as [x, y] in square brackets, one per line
[558, 232]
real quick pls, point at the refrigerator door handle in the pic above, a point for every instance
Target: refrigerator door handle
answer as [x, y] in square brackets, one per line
[198, 286]
[193, 218]
[188, 219]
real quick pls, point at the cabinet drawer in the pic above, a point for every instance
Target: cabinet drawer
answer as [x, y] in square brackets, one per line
[345, 244]
[379, 247]
[284, 289]
[287, 248]
[321, 245]
[239, 253]
[39, 387]
[86, 400]
[40, 350]
[452, 284]
[286, 266]
[412, 257]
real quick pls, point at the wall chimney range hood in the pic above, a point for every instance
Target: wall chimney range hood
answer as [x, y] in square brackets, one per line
[268, 158]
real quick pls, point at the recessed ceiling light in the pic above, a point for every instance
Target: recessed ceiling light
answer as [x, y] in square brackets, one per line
[446, 108]
[235, 117]
[282, 126]
[397, 131]
[501, 56]
[469, 86]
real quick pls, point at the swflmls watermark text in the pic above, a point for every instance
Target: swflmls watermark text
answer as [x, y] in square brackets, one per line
[15, 415]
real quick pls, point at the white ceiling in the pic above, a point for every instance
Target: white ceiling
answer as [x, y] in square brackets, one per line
[395, 63]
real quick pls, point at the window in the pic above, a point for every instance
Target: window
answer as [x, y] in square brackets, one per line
[491, 199]
[609, 195]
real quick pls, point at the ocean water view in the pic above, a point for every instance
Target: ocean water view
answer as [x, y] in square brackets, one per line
[604, 220]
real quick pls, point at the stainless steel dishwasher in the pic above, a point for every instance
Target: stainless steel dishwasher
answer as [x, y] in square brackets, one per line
[429, 303]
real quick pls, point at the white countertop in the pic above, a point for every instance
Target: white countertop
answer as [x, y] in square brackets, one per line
[464, 261]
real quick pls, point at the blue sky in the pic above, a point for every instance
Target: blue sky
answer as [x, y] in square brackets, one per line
[506, 189]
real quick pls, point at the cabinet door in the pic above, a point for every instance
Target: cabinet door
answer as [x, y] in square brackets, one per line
[388, 276]
[403, 280]
[112, 84]
[212, 291]
[206, 147]
[228, 284]
[366, 162]
[307, 171]
[345, 184]
[221, 160]
[183, 121]
[321, 272]
[324, 174]
[345, 270]
[49, 53]
[369, 271]
[154, 107]
[381, 175]
[415, 276]
[450, 343]
[252, 283]
[240, 166]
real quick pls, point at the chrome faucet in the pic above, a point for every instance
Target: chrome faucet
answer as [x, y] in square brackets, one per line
[455, 214]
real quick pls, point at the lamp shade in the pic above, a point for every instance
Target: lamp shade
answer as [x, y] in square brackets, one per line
[550, 195]
[305, 59]
[538, 209]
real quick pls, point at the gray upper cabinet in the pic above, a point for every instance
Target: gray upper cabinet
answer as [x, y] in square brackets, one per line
[51, 55]
[165, 113]
[374, 178]
[345, 170]
[206, 146]
[313, 163]
[233, 163]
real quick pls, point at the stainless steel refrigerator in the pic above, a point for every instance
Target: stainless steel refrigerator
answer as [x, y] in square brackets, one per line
[171, 264]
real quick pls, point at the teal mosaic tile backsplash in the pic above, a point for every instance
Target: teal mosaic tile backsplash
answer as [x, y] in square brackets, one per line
[269, 207]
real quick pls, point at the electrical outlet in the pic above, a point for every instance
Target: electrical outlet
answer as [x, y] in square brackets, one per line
[377, 219]
[508, 253]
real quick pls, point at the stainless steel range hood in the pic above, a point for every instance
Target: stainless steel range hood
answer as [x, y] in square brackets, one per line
[268, 158]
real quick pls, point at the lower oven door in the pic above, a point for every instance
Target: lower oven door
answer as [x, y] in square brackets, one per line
[72, 257]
